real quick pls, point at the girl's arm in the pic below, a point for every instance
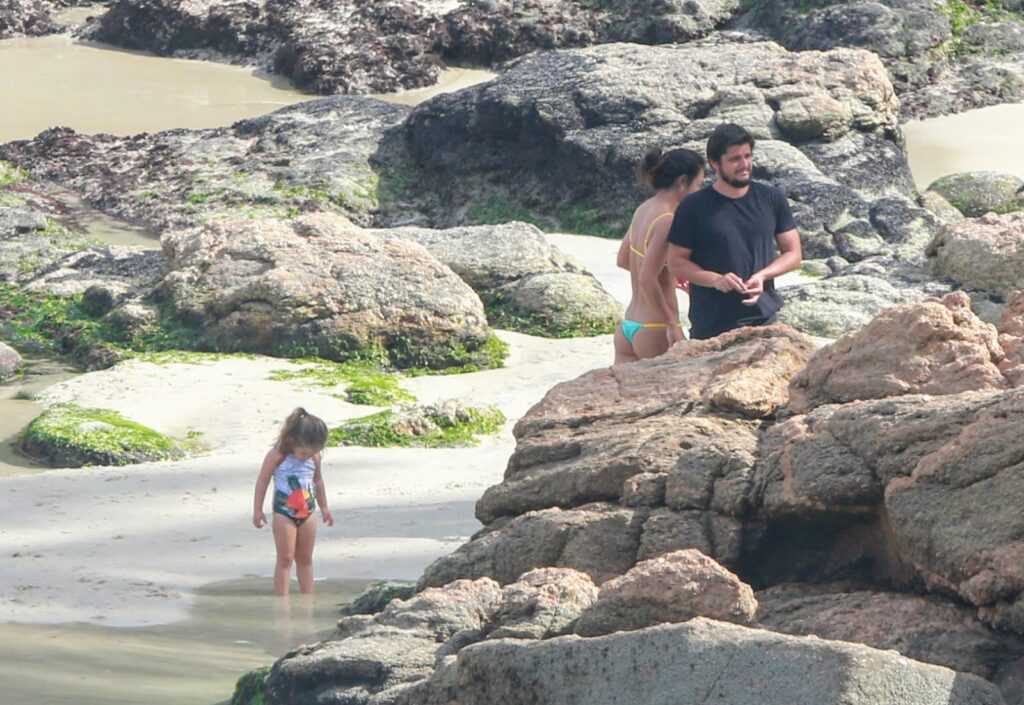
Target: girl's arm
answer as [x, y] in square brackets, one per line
[650, 283]
[270, 461]
[321, 492]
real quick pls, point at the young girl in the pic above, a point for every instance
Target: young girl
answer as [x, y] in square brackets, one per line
[294, 465]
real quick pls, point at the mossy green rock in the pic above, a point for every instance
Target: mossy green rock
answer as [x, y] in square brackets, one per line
[249, 688]
[67, 435]
[975, 193]
[376, 597]
[446, 424]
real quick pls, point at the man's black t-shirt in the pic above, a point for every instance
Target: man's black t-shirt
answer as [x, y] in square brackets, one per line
[731, 235]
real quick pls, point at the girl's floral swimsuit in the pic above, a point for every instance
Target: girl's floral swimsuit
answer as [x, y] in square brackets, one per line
[293, 489]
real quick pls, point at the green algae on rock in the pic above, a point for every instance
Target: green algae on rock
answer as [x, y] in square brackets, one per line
[446, 424]
[975, 193]
[67, 435]
[364, 382]
[249, 688]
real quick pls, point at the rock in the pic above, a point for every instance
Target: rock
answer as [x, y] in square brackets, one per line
[976, 193]
[378, 595]
[598, 539]
[120, 271]
[561, 304]
[571, 125]
[1011, 340]
[702, 660]
[938, 206]
[956, 516]
[18, 221]
[985, 253]
[930, 629]
[69, 436]
[848, 301]
[312, 286]
[932, 347]
[26, 18]
[445, 424]
[589, 436]
[674, 587]
[940, 61]
[368, 655]
[10, 361]
[312, 156]
[526, 283]
[541, 604]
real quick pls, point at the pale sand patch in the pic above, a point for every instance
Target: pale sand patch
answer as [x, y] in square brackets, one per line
[128, 546]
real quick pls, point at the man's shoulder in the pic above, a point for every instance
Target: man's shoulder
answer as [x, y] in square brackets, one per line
[769, 190]
[697, 198]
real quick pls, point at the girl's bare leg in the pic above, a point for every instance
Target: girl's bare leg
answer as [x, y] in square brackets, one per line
[285, 540]
[304, 555]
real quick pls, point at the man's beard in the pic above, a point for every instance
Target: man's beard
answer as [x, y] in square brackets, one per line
[735, 183]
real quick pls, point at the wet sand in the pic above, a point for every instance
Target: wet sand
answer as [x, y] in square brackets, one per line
[988, 139]
[232, 627]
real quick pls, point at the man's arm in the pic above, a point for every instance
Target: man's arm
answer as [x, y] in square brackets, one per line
[682, 266]
[790, 256]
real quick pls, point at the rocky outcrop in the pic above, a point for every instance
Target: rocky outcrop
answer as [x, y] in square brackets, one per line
[26, 18]
[308, 157]
[941, 59]
[931, 629]
[526, 283]
[674, 587]
[1011, 339]
[563, 131]
[700, 661]
[342, 46]
[932, 347]
[983, 254]
[313, 286]
[672, 439]
[976, 193]
[10, 361]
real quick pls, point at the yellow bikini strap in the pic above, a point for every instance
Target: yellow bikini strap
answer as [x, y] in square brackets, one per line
[650, 227]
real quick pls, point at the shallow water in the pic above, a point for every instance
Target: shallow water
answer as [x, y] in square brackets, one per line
[234, 626]
[17, 409]
[987, 139]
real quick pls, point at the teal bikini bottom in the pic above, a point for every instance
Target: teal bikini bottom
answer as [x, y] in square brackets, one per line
[630, 328]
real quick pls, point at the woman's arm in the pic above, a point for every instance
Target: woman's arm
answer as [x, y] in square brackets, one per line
[321, 492]
[622, 259]
[649, 280]
[272, 459]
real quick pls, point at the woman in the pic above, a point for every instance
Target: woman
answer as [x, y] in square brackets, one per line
[651, 324]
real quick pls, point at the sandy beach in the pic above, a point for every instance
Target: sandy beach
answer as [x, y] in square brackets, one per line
[128, 546]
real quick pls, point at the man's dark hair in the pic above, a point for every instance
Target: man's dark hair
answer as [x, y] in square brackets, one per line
[727, 135]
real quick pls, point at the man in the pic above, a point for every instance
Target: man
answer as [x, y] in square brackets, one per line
[723, 241]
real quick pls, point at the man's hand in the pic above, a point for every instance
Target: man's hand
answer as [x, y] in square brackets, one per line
[729, 282]
[674, 333]
[753, 288]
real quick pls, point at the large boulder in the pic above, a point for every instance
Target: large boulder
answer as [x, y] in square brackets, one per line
[524, 281]
[941, 59]
[929, 628]
[541, 604]
[985, 254]
[318, 285]
[674, 587]
[311, 156]
[700, 661]
[10, 361]
[932, 347]
[673, 439]
[976, 193]
[559, 133]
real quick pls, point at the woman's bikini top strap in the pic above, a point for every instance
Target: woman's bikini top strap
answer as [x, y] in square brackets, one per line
[647, 235]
